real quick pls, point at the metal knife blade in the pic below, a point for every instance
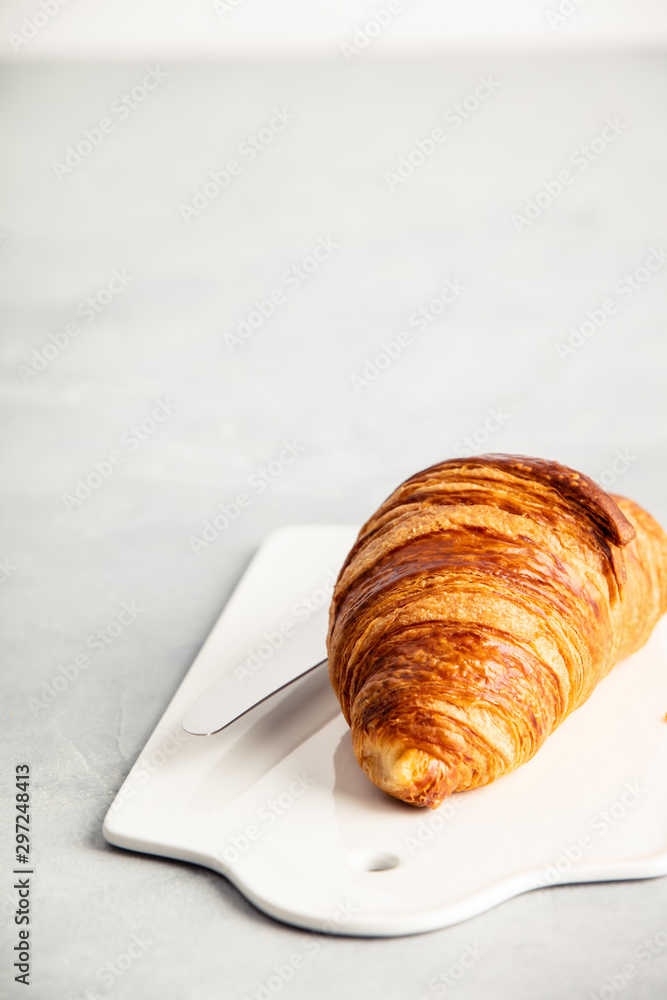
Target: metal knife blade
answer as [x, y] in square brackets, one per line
[223, 704]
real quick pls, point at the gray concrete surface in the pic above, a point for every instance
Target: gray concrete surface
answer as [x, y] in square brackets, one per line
[161, 336]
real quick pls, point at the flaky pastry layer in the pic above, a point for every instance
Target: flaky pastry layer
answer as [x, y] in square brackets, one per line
[479, 606]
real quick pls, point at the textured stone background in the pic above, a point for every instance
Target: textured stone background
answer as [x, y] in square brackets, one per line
[162, 337]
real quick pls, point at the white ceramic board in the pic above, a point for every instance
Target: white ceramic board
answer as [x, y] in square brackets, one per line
[277, 803]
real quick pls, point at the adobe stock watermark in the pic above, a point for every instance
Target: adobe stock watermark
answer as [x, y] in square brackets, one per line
[581, 159]
[620, 464]
[92, 822]
[643, 955]
[121, 108]
[257, 483]
[148, 765]
[131, 440]
[292, 280]
[310, 945]
[419, 321]
[625, 288]
[98, 642]
[111, 972]
[7, 569]
[428, 828]
[559, 15]
[440, 984]
[364, 34]
[600, 825]
[88, 310]
[424, 148]
[267, 816]
[224, 8]
[31, 26]
[301, 611]
[470, 443]
[247, 151]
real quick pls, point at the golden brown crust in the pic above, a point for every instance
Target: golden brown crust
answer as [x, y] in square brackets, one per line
[480, 604]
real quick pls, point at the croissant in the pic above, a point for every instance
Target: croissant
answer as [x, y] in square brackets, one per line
[479, 606]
